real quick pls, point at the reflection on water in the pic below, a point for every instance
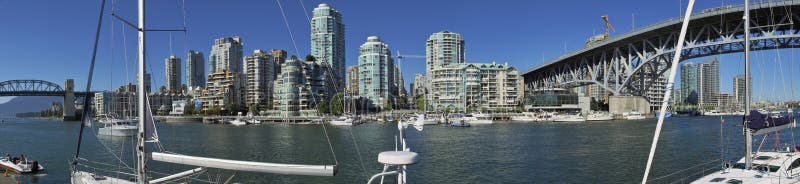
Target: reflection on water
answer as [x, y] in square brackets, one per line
[590, 152]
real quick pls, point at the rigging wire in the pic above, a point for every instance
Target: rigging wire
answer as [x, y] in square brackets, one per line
[285, 21]
[89, 82]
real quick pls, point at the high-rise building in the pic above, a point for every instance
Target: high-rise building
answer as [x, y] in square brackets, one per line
[418, 87]
[327, 40]
[442, 49]
[279, 56]
[689, 93]
[708, 82]
[259, 71]
[299, 88]
[400, 86]
[376, 69]
[147, 81]
[740, 87]
[474, 87]
[195, 69]
[352, 80]
[226, 54]
[172, 66]
[222, 90]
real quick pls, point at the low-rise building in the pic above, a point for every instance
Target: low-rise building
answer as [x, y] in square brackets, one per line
[475, 86]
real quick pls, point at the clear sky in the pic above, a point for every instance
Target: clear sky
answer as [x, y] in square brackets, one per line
[52, 40]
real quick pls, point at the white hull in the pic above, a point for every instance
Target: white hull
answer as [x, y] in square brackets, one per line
[480, 121]
[237, 122]
[522, 118]
[635, 117]
[599, 117]
[430, 122]
[80, 177]
[19, 167]
[342, 123]
[118, 131]
[569, 118]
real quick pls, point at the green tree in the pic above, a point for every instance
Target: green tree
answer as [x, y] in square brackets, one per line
[336, 105]
[322, 107]
[188, 109]
[310, 58]
[420, 103]
[253, 108]
[387, 106]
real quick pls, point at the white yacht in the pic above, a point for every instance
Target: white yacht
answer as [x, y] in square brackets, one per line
[569, 118]
[429, 120]
[342, 121]
[633, 115]
[20, 164]
[238, 122]
[479, 118]
[525, 116]
[120, 128]
[600, 116]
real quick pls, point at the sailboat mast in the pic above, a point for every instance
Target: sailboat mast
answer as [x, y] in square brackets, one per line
[141, 169]
[748, 159]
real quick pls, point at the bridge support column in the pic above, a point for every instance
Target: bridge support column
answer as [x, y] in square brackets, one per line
[623, 104]
[69, 101]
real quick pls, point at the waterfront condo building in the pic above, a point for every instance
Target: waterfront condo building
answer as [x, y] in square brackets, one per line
[195, 69]
[226, 54]
[259, 73]
[376, 70]
[327, 41]
[708, 82]
[418, 86]
[740, 87]
[441, 50]
[475, 86]
[352, 81]
[279, 56]
[689, 92]
[299, 88]
[222, 90]
[172, 66]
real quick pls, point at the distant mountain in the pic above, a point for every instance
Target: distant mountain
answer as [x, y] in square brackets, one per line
[27, 104]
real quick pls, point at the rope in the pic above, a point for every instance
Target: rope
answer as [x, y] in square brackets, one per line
[358, 153]
[329, 144]
[682, 170]
[287, 27]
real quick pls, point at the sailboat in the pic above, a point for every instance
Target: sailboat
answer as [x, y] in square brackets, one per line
[148, 134]
[775, 166]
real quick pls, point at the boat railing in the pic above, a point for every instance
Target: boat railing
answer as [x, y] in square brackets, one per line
[689, 174]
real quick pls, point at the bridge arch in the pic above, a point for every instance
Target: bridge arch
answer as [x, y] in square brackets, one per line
[30, 88]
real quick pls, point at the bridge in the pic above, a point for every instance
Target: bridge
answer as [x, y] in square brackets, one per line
[45, 88]
[628, 64]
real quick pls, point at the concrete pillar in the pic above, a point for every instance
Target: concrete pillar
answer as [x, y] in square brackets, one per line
[69, 101]
[622, 104]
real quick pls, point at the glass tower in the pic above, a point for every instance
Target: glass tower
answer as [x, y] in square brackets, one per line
[376, 70]
[327, 41]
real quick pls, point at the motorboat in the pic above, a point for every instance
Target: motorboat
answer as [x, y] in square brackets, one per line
[20, 164]
[633, 115]
[120, 128]
[254, 121]
[525, 116]
[477, 119]
[599, 116]
[666, 115]
[238, 122]
[342, 121]
[460, 124]
[569, 118]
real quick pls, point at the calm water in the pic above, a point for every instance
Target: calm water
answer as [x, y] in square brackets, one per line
[591, 152]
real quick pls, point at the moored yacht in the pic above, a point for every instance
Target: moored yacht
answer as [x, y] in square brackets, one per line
[342, 121]
[477, 118]
[599, 116]
[569, 118]
[633, 115]
[118, 128]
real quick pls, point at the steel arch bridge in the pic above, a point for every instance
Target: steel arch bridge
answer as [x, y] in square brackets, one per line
[30, 88]
[626, 65]
[34, 88]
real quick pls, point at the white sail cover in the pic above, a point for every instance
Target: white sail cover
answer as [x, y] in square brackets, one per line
[236, 165]
[150, 133]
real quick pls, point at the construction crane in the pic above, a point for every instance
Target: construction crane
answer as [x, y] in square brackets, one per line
[409, 56]
[601, 37]
[608, 26]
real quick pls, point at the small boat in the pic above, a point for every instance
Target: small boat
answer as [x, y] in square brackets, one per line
[525, 116]
[569, 118]
[237, 122]
[254, 121]
[419, 121]
[633, 115]
[667, 115]
[120, 128]
[599, 116]
[477, 119]
[20, 164]
[460, 124]
[342, 121]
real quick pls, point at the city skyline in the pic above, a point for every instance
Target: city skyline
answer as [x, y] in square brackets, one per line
[527, 51]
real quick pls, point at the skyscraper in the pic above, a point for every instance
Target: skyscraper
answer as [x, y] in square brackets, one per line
[259, 72]
[376, 69]
[172, 66]
[195, 69]
[226, 54]
[352, 80]
[688, 83]
[708, 82]
[442, 49]
[740, 86]
[279, 56]
[327, 40]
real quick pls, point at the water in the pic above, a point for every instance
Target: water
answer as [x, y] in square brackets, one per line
[590, 152]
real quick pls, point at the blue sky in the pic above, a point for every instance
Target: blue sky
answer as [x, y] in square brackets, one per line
[52, 40]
